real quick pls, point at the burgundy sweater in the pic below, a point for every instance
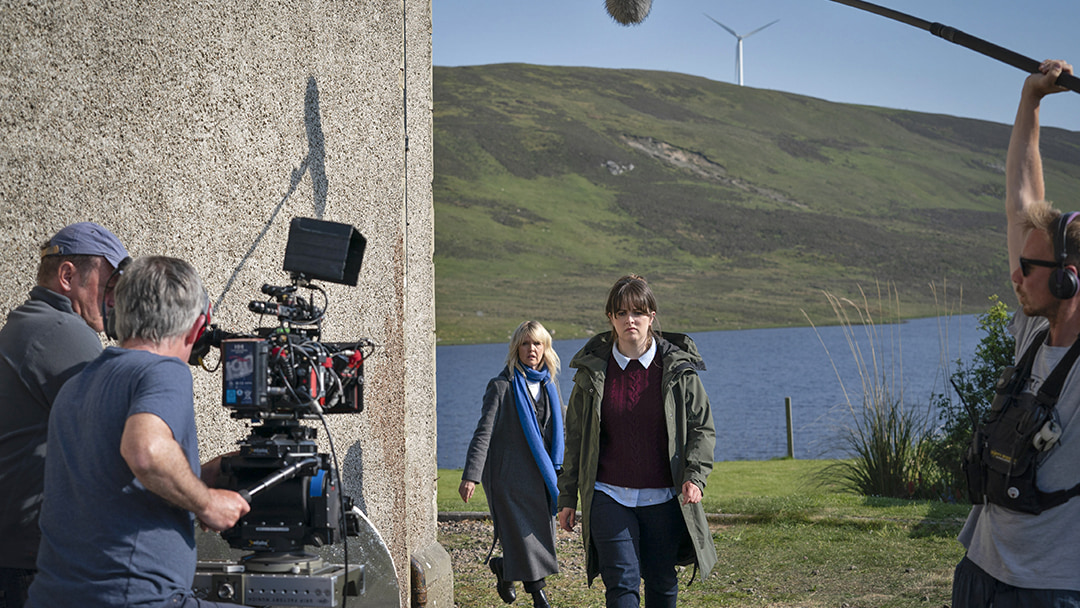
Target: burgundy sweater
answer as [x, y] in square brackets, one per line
[633, 436]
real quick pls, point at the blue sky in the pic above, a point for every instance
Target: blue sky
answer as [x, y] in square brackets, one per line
[819, 48]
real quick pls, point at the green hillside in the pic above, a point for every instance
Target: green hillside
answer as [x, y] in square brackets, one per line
[741, 206]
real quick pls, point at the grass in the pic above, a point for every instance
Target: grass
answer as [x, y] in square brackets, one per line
[783, 539]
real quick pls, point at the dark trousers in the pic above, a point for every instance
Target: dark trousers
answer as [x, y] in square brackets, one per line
[974, 588]
[533, 586]
[14, 583]
[634, 543]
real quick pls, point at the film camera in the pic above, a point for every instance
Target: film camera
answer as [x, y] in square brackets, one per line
[276, 377]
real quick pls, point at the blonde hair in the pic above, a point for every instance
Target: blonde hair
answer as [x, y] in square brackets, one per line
[533, 330]
[1042, 216]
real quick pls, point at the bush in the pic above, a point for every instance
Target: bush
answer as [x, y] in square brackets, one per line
[890, 444]
[974, 384]
[891, 453]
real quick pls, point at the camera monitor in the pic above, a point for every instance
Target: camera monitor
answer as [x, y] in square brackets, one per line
[323, 250]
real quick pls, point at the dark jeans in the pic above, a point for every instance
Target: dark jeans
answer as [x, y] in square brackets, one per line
[974, 588]
[14, 583]
[637, 543]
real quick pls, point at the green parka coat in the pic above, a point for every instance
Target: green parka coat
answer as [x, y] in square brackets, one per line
[691, 437]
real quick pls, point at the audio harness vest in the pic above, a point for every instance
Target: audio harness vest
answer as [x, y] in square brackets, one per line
[1002, 463]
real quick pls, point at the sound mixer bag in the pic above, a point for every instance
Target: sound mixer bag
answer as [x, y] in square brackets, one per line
[1002, 463]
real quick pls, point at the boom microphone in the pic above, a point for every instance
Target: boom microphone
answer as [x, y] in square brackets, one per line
[955, 36]
[628, 12]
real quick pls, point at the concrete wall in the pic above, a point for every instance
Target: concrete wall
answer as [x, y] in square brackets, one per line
[199, 130]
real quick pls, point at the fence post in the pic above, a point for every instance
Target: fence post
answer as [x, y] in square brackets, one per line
[790, 429]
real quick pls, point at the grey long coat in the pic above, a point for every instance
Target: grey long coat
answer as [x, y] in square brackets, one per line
[500, 459]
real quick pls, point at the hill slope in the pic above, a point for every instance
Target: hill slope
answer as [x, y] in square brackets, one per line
[739, 205]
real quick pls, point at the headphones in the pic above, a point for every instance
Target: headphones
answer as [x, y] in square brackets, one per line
[1063, 283]
[203, 340]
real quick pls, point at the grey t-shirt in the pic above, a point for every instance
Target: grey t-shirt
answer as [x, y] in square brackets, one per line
[1036, 551]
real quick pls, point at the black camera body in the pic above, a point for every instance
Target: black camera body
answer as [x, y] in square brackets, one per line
[289, 375]
[276, 377]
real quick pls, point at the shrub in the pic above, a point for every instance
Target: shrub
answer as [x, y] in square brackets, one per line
[974, 385]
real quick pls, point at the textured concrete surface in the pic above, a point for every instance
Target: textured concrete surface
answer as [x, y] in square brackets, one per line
[199, 130]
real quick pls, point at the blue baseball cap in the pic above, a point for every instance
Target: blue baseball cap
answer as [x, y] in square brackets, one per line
[86, 238]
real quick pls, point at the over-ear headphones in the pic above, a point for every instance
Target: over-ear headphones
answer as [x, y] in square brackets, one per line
[1063, 283]
[204, 340]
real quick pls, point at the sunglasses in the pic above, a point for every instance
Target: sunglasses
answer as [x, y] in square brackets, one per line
[1027, 263]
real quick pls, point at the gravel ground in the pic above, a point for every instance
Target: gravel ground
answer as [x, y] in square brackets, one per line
[468, 540]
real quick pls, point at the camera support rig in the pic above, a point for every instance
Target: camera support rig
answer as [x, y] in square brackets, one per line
[276, 377]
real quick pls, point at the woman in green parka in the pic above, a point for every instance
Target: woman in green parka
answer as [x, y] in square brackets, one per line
[639, 447]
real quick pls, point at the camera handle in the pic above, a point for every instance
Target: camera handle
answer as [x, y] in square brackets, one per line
[274, 479]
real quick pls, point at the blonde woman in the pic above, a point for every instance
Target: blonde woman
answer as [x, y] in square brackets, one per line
[516, 453]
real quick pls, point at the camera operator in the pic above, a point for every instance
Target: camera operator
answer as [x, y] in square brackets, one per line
[122, 481]
[45, 341]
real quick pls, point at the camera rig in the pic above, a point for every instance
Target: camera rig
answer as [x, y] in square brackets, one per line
[276, 377]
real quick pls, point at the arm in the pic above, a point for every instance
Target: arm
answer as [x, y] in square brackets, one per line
[700, 439]
[568, 477]
[159, 463]
[1023, 166]
[476, 455]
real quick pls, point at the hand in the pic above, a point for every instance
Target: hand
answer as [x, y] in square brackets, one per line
[466, 489]
[211, 469]
[1043, 82]
[691, 493]
[209, 472]
[223, 511]
[567, 518]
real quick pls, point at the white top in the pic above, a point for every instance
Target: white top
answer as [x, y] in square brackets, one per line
[645, 360]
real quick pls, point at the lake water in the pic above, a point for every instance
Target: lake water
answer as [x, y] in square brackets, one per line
[750, 373]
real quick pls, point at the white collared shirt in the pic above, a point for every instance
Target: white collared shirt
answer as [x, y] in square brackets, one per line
[645, 360]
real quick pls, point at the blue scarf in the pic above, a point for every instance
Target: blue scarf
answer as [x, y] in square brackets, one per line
[549, 463]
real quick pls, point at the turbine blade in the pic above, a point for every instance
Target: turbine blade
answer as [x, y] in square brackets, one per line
[730, 31]
[758, 29]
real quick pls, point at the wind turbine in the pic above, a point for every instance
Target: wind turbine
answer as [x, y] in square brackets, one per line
[738, 45]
